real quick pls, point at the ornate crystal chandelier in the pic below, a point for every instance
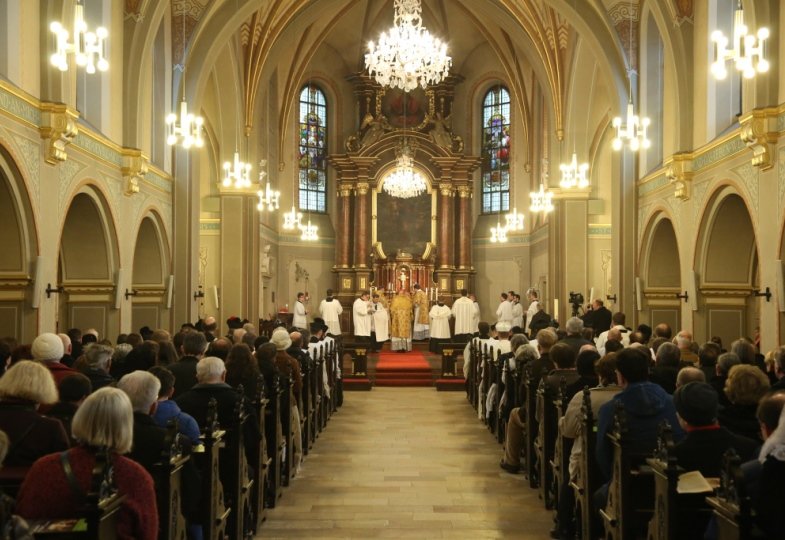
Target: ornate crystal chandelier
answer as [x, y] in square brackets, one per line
[748, 52]
[268, 198]
[407, 55]
[404, 182]
[237, 173]
[89, 48]
[574, 174]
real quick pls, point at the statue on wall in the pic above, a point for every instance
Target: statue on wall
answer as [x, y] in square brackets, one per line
[265, 259]
[441, 132]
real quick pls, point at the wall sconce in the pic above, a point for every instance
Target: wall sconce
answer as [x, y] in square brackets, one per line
[766, 292]
[132, 292]
[684, 296]
[612, 297]
[50, 291]
[199, 294]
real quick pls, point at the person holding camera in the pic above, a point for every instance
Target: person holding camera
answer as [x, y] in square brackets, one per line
[597, 317]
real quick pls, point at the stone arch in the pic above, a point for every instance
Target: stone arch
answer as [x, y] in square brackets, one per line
[659, 270]
[88, 264]
[726, 263]
[20, 248]
[151, 270]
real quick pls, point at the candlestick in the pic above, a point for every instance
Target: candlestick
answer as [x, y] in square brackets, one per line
[591, 296]
[556, 308]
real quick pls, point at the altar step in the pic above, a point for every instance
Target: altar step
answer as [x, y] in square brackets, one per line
[410, 369]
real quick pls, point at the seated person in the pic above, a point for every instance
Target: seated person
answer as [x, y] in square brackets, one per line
[666, 367]
[148, 439]
[73, 390]
[104, 419]
[744, 387]
[690, 374]
[167, 409]
[513, 442]
[24, 387]
[770, 467]
[706, 441]
[645, 405]
[563, 356]
[97, 363]
[585, 364]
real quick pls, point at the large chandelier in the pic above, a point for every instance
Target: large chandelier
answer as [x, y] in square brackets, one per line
[404, 182]
[574, 174]
[268, 198]
[89, 48]
[407, 55]
[747, 51]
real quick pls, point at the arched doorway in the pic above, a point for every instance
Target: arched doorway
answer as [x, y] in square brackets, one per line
[20, 248]
[727, 264]
[88, 266]
[660, 271]
[151, 275]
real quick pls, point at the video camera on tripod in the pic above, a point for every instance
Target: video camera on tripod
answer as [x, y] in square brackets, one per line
[576, 299]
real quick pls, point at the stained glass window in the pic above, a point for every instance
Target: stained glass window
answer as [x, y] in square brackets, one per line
[496, 151]
[313, 150]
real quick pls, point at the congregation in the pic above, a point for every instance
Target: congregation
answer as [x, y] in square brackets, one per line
[153, 410]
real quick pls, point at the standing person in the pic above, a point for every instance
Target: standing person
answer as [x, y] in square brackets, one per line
[381, 324]
[598, 317]
[517, 311]
[361, 315]
[440, 325]
[421, 328]
[463, 309]
[330, 309]
[476, 321]
[401, 314]
[300, 319]
[504, 311]
[534, 307]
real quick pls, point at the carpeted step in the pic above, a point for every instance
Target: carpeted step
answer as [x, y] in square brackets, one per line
[450, 384]
[404, 382]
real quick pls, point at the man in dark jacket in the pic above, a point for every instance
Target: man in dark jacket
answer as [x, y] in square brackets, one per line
[98, 362]
[598, 317]
[184, 370]
[142, 388]
[706, 441]
[575, 339]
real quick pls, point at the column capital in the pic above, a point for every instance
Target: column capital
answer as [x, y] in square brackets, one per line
[446, 189]
[362, 188]
[464, 192]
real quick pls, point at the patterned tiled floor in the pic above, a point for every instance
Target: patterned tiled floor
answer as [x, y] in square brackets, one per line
[406, 463]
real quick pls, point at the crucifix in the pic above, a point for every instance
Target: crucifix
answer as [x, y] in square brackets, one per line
[402, 278]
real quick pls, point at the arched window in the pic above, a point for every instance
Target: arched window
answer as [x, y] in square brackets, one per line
[313, 149]
[496, 151]
[724, 99]
[652, 91]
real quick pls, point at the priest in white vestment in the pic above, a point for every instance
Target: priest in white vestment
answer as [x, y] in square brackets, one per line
[504, 311]
[380, 323]
[330, 309]
[361, 315]
[440, 325]
[534, 307]
[300, 319]
[463, 311]
[517, 312]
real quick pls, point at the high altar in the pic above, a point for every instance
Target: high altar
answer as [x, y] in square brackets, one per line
[380, 238]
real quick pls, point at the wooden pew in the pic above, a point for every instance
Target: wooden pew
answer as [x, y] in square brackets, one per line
[313, 397]
[168, 486]
[261, 470]
[560, 463]
[214, 510]
[676, 516]
[588, 475]
[547, 431]
[275, 444]
[324, 402]
[307, 372]
[631, 491]
[237, 478]
[332, 375]
[530, 432]
[470, 374]
[485, 384]
[732, 506]
[287, 395]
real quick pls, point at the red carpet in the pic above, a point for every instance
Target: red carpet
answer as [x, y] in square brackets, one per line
[409, 369]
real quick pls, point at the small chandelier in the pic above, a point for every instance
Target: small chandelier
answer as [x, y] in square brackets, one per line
[542, 201]
[268, 199]
[237, 173]
[633, 130]
[89, 48]
[292, 219]
[499, 234]
[747, 52]
[514, 221]
[574, 174]
[309, 232]
[404, 182]
[407, 55]
[185, 130]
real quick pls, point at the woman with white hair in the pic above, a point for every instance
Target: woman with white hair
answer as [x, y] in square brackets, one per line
[56, 486]
[24, 387]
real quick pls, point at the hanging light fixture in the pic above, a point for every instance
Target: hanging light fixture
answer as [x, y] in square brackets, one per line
[292, 219]
[514, 221]
[748, 51]
[237, 173]
[268, 198]
[88, 48]
[542, 200]
[404, 182]
[407, 55]
[187, 129]
[499, 233]
[309, 231]
[633, 130]
[574, 174]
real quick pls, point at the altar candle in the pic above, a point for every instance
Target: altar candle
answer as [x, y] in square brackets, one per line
[591, 296]
[555, 308]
